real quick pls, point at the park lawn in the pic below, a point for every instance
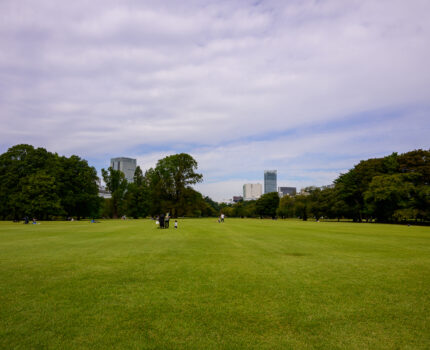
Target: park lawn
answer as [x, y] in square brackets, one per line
[244, 284]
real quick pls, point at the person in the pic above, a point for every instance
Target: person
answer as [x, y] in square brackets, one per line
[166, 221]
[26, 220]
[176, 223]
[222, 217]
[161, 221]
[34, 221]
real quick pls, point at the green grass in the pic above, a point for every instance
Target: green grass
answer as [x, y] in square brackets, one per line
[244, 284]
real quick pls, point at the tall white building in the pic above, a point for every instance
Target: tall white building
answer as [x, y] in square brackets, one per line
[126, 165]
[252, 191]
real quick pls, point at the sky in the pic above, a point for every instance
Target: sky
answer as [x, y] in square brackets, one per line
[308, 88]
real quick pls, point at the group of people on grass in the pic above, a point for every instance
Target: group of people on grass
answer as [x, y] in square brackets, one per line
[27, 220]
[164, 221]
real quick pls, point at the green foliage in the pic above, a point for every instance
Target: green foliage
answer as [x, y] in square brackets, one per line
[37, 183]
[78, 187]
[387, 194]
[215, 207]
[39, 196]
[267, 204]
[286, 207]
[117, 185]
[379, 188]
[302, 206]
[169, 188]
[137, 196]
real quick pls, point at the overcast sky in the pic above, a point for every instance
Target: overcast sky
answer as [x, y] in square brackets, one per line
[305, 87]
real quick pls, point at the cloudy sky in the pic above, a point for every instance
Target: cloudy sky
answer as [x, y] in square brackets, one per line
[305, 87]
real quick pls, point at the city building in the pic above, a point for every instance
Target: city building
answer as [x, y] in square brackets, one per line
[126, 165]
[103, 192]
[287, 191]
[308, 190]
[237, 199]
[252, 191]
[270, 181]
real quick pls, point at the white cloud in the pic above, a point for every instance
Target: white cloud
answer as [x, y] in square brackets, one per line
[104, 78]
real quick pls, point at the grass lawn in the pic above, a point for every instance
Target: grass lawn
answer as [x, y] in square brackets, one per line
[244, 284]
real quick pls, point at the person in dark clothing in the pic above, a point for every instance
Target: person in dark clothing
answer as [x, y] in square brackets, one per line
[166, 221]
[162, 221]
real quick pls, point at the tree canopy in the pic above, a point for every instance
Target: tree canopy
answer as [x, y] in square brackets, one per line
[38, 183]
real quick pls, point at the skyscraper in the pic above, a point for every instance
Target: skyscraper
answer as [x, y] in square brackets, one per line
[126, 165]
[270, 181]
[251, 191]
[287, 191]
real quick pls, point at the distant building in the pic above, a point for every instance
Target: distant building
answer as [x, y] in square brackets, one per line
[252, 191]
[103, 192]
[287, 191]
[307, 190]
[237, 199]
[126, 165]
[327, 187]
[270, 181]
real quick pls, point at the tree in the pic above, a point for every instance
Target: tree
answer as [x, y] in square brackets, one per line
[169, 183]
[301, 206]
[286, 207]
[267, 204]
[137, 196]
[39, 196]
[117, 185]
[78, 187]
[27, 173]
[387, 194]
[214, 206]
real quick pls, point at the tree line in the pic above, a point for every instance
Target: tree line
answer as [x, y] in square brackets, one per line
[166, 188]
[388, 189]
[38, 183]
[44, 185]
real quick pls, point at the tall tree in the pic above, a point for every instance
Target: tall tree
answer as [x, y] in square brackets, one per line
[267, 204]
[26, 172]
[117, 185]
[286, 207]
[78, 187]
[170, 182]
[387, 194]
[137, 196]
[39, 196]
[301, 205]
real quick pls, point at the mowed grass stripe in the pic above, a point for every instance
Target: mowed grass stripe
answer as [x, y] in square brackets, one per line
[244, 284]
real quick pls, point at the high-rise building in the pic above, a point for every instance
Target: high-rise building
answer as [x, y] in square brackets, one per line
[252, 191]
[237, 199]
[287, 191]
[270, 181]
[126, 165]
